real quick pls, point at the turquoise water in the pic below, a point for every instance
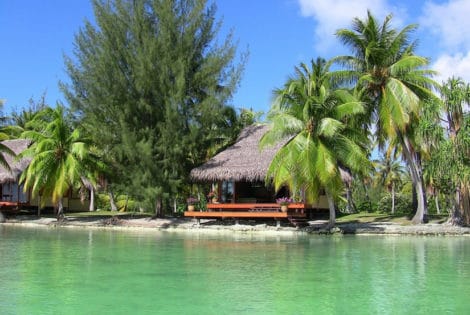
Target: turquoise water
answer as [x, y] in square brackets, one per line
[64, 271]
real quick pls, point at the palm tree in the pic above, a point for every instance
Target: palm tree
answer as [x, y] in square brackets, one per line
[61, 158]
[3, 148]
[393, 82]
[455, 94]
[316, 120]
[389, 174]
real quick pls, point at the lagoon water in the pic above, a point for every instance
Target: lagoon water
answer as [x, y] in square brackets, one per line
[70, 271]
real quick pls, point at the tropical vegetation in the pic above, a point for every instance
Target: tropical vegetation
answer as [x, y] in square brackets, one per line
[155, 97]
[149, 92]
[317, 118]
[61, 158]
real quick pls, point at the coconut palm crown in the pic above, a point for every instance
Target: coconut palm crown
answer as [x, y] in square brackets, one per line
[316, 119]
[61, 158]
[387, 74]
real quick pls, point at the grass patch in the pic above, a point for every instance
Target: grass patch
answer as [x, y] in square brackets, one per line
[367, 217]
[88, 214]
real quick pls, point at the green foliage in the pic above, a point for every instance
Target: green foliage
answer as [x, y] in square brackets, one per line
[150, 83]
[25, 120]
[102, 202]
[403, 204]
[316, 118]
[61, 158]
[445, 205]
[394, 83]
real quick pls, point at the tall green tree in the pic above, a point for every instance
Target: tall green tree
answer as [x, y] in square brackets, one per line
[389, 174]
[151, 82]
[450, 164]
[315, 117]
[60, 158]
[393, 82]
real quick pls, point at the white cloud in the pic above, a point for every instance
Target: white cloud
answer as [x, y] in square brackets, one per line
[450, 21]
[457, 65]
[332, 15]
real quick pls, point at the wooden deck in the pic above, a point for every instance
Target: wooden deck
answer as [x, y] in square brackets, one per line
[10, 206]
[249, 211]
[253, 207]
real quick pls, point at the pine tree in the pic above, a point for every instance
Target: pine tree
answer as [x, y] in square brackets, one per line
[150, 82]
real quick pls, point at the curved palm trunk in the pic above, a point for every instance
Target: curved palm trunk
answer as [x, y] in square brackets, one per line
[331, 206]
[393, 198]
[417, 179]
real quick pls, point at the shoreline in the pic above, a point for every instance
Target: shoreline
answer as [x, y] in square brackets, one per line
[189, 225]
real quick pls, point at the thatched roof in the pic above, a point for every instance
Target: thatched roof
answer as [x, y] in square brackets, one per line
[17, 146]
[243, 161]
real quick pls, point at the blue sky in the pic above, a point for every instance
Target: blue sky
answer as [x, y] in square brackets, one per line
[278, 34]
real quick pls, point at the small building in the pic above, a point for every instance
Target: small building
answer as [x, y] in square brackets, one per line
[12, 194]
[240, 170]
[239, 174]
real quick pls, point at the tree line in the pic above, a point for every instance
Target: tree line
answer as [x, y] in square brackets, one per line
[149, 92]
[381, 96]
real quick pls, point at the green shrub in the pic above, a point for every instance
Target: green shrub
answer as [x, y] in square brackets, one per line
[102, 203]
[444, 205]
[403, 204]
[366, 206]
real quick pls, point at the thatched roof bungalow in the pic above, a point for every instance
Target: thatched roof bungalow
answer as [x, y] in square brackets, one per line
[12, 194]
[240, 170]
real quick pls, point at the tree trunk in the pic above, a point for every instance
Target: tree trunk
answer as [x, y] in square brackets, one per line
[393, 198]
[92, 199]
[126, 203]
[39, 205]
[436, 202]
[350, 207]
[60, 210]
[366, 192]
[331, 206]
[456, 216]
[465, 206]
[416, 177]
[158, 207]
[112, 202]
[420, 216]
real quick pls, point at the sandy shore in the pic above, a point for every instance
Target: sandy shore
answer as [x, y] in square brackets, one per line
[185, 224]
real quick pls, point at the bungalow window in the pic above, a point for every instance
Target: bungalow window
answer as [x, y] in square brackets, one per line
[227, 191]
